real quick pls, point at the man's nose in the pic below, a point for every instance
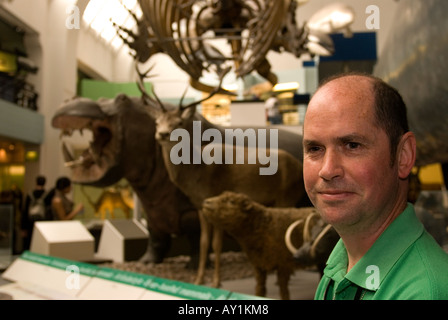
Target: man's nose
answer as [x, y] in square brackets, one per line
[331, 165]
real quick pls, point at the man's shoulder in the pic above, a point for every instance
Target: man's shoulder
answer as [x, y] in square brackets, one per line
[421, 272]
[433, 257]
[427, 247]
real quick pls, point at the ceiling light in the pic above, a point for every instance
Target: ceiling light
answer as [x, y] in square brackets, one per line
[101, 14]
[286, 86]
[230, 86]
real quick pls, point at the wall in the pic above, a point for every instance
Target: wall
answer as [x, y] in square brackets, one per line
[58, 50]
[47, 46]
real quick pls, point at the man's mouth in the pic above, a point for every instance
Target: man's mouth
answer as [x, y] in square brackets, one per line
[334, 195]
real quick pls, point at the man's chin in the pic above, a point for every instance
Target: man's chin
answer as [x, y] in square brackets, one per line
[334, 215]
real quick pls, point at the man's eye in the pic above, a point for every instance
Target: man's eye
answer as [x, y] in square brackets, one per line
[313, 149]
[353, 145]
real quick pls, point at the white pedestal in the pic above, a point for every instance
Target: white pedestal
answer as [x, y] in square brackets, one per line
[122, 240]
[63, 239]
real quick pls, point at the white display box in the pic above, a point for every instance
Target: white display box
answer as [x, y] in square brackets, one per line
[63, 239]
[122, 240]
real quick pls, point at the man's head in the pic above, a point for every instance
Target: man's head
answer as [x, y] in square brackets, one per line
[389, 107]
[40, 181]
[358, 150]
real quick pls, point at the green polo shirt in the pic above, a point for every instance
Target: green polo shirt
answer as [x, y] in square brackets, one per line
[404, 263]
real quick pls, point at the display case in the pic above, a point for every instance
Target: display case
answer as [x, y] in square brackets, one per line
[6, 234]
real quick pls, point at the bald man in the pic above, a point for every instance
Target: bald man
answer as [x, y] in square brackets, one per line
[358, 154]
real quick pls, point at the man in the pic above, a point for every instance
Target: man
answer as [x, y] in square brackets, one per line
[272, 110]
[27, 221]
[358, 153]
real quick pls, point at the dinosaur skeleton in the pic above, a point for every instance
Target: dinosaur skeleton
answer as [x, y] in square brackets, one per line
[187, 29]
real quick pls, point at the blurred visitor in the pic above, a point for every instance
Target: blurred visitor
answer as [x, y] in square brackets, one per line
[61, 206]
[273, 114]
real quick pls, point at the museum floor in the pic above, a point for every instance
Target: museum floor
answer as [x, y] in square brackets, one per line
[302, 285]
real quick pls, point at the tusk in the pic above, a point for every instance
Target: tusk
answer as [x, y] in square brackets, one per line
[318, 238]
[288, 233]
[306, 228]
[94, 156]
[67, 154]
[74, 163]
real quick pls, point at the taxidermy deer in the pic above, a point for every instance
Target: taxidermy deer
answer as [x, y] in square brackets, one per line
[280, 185]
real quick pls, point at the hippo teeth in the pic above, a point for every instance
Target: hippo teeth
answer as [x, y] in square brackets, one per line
[98, 134]
[67, 154]
[70, 160]
[86, 158]
[74, 163]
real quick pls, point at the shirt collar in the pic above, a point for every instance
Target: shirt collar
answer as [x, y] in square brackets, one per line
[384, 253]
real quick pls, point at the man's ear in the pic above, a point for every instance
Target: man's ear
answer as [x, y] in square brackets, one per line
[407, 150]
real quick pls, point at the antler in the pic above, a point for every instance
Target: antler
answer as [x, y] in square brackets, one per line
[147, 99]
[211, 94]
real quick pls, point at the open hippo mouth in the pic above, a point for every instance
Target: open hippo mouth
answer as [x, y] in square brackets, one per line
[97, 162]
